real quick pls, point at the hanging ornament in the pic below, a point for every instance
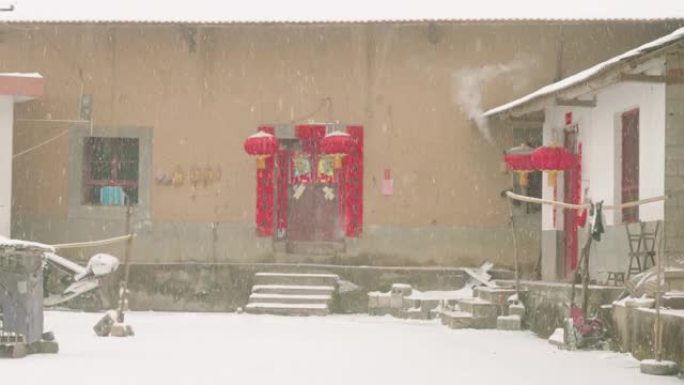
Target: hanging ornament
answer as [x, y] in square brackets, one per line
[552, 159]
[337, 144]
[519, 160]
[262, 145]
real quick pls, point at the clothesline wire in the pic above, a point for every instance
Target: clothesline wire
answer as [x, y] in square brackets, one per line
[524, 198]
[100, 242]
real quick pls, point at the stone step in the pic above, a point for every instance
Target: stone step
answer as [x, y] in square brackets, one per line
[287, 309]
[299, 279]
[293, 289]
[290, 298]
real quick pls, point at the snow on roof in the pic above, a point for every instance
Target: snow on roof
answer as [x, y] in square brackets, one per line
[589, 72]
[306, 11]
[34, 75]
[6, 243]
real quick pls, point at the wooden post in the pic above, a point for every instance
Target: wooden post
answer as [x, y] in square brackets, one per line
[127, 265]
[515, 251]
[658, 330]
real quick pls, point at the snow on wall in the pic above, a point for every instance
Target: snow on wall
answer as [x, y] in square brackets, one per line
[600, 136]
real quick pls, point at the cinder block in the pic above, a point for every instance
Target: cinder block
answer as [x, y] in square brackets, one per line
[396, 301]
[373, 300]
[19, 350]
[517, 310]
[121, 330]
[511, 322]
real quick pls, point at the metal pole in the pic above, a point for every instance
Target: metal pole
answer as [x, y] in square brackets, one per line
[127, 266]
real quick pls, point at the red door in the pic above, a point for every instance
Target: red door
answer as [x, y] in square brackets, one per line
[570, 194]
[313, 213]
[630, 164]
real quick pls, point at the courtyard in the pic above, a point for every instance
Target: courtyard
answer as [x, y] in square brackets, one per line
[230, 348]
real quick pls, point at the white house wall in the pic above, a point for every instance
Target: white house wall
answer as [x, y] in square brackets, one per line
[600, 137]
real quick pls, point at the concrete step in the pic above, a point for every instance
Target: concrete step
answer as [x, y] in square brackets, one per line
[299, 279]
[287, 309]
[293, 289]
[290, 298]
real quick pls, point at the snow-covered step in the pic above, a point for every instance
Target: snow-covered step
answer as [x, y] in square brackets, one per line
[293, 289]
[295, 279]
[292, 293]
[290, 298]
[295, 309]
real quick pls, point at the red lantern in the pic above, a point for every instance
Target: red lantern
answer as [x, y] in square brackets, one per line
[519, 160]
[262, 145]
[337, 144]
[552, 159]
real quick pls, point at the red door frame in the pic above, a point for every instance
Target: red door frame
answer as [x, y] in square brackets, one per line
[571, 194]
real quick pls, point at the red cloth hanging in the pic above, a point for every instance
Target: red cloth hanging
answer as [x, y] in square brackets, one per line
[352, 188]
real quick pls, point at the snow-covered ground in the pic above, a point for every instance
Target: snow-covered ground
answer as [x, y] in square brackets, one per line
[191, 348]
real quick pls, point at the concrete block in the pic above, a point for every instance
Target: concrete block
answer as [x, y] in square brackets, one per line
[396, 301]
[498, 296]
[401, 289]
[458, 320]
[19, 350]
[659, 368]
[45, 347]
[409, 303]
[479, 308]
[103, 327]
[121, 330]
[517, 310]
[373, 300]
[674, 279]
[383, 301]
[673, 301]
[510, 322]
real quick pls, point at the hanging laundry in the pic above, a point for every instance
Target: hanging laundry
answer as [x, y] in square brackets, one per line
[598, 228]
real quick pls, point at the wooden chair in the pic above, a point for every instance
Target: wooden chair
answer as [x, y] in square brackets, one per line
[642, 243]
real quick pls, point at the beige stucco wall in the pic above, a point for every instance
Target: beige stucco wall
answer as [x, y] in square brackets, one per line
[203, 89]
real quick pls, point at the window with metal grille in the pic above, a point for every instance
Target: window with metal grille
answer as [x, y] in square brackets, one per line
[110, 171]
